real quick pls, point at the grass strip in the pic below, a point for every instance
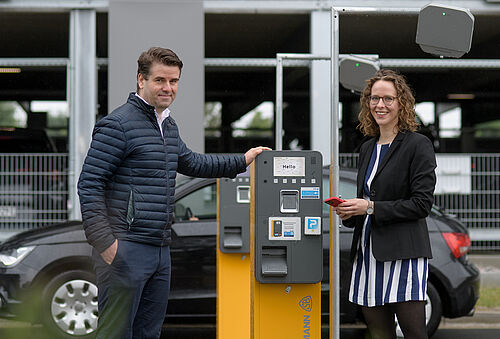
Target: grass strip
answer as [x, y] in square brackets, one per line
[489, 297]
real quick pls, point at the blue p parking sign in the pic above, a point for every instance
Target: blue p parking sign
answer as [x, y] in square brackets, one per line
[312, 226]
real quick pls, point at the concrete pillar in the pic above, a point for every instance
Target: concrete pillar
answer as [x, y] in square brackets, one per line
[134, 26]
[82, 97]
[320, 84]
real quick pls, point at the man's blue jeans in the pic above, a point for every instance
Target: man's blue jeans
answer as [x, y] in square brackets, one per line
[133, 291]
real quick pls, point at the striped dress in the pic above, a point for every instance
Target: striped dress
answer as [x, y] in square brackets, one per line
[373, 282]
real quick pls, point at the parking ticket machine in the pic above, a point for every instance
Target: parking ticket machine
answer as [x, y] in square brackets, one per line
[233, 257]
[234, 214]
[286, 249]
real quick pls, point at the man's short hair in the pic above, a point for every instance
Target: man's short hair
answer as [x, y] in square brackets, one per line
[161, 55]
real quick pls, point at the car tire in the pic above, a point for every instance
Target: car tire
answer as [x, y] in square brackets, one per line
[69, 304]
[433, 309]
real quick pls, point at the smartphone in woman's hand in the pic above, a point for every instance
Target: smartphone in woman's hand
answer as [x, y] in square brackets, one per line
[334, 201]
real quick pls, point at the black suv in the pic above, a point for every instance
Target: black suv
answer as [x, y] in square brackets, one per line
[48, 273]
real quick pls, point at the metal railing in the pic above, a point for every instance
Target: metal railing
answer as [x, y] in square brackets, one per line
[33, 190]
[468, 187]
[477, 202]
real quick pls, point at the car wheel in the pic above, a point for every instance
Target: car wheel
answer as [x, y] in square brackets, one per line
[433, 311]
[70, 304]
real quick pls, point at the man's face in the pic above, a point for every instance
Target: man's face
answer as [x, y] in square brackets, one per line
[160, 89]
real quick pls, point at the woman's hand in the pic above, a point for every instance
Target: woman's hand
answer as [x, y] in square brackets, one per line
[351, 207]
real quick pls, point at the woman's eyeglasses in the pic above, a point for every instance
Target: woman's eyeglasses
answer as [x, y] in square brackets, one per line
[388, 100]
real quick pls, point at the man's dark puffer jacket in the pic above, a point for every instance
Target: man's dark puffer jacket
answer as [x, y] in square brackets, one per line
[127, 183]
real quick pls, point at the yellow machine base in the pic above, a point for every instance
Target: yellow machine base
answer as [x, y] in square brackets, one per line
[286, 311]
[233, 295]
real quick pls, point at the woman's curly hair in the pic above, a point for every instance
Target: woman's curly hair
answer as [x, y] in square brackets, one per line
[406, 116]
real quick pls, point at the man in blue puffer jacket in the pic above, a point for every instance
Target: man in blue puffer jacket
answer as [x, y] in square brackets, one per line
[126, 191]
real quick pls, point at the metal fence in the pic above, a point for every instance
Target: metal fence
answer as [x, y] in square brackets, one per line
[468, 186]
[33, 191]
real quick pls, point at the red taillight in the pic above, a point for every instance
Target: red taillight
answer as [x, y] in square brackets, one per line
[459, 243]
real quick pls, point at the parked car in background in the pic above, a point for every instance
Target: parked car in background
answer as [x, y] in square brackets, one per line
[25, 140]
[48, 272]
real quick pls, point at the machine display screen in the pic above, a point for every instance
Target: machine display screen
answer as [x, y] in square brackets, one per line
[289, 166]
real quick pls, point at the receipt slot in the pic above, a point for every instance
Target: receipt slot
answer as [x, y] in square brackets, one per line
[286, 249]
[233, 257]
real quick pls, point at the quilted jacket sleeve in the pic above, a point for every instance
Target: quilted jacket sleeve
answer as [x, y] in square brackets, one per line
[103, 158]
[209, 165]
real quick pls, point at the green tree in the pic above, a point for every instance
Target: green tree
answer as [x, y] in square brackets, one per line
[489, 129]
[212, 118]
[212, 114]
[260, 126]
[7, 115]
[260, 122]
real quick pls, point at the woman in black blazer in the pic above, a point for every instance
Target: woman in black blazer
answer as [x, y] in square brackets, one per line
[395, 187]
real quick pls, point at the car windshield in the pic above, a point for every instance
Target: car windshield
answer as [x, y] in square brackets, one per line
[181, 180]
[437, 210]
[198, 205]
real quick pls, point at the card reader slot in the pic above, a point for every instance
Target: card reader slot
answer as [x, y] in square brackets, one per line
[232, 237]
[289, 201]
[243, 194]
[274, 262]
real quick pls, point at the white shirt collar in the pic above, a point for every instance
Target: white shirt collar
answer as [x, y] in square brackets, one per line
[162, 116]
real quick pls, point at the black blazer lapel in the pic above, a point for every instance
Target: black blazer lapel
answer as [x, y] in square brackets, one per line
[394, 146]
[363, 165]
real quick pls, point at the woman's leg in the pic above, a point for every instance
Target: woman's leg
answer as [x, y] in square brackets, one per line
[380, 321]
[411, 318]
